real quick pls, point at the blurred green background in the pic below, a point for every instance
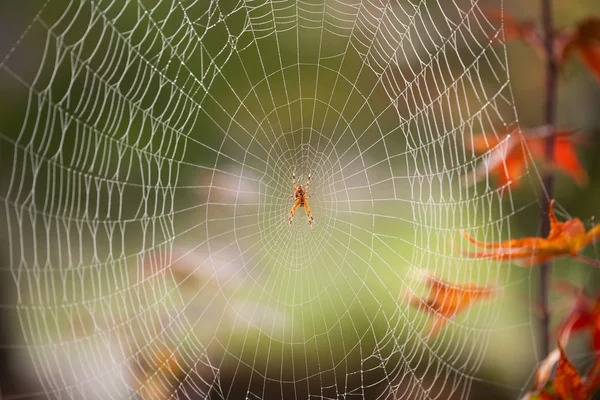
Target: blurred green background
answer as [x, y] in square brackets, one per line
[146, 155]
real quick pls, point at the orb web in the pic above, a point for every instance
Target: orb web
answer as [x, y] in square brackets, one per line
[148, 157]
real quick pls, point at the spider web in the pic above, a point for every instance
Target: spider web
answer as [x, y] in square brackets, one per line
[147, 159]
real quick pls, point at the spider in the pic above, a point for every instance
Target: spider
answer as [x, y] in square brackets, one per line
[300, 197]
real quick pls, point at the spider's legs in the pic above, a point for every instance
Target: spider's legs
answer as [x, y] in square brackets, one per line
[307, 183]
[293, 210]
[293, 195]
[309, 214]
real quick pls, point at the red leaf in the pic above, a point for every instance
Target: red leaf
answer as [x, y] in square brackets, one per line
[590, 55]
[585, 315]
[567, 382]
[565, 157]
[508, 160]
[515, 29]
[584, 41]
[595, 323]
[580, 317]
[545, 396]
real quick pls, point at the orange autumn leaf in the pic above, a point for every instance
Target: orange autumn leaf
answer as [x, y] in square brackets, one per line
[565, 239]
[508, 159]
[565, 157]
[446, 300]
[584, 42]
[515, 29]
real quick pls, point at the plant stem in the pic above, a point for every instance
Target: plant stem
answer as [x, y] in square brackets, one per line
[548, 179]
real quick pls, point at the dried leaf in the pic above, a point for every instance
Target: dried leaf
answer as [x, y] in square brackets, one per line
[446, 300]
[515, 29]
[565, 239]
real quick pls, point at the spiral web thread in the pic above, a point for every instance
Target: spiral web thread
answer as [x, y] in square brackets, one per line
[147, 171]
